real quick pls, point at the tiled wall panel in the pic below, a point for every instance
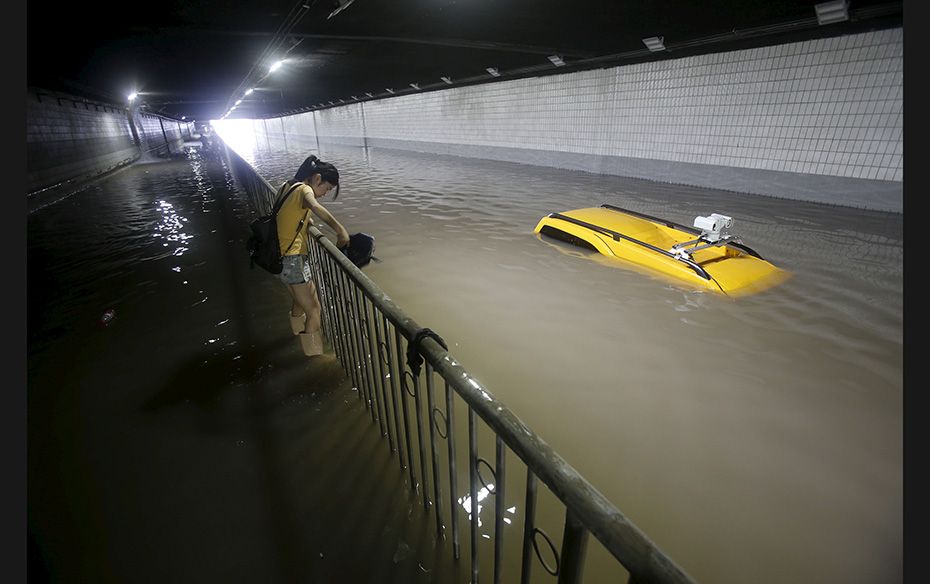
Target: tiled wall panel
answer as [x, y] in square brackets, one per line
[828, 107]
[68, 137]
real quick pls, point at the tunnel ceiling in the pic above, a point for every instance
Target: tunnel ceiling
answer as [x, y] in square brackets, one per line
[196, 58]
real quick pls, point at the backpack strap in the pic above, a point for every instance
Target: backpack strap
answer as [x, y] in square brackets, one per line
[279, 201]
[299, 225]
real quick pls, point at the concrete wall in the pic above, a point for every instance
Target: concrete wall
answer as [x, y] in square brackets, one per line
[70, 140]
[68, 137]
[158, 135]
[818, 120]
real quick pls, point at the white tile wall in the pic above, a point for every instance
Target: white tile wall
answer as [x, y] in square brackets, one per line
[828, 107]
[340, 122]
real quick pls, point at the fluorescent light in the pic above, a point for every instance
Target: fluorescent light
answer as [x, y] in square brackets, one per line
[833, 11]
[340, 6]
[238, 101]
[249, 91]
[448, 80]
[275, 66]
[415, 86]
[368, 94]
[556, 60]
[133, 96]
[655, 43]
[493, 71]
[389, 90]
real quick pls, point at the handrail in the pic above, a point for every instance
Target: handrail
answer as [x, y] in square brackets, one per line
[586, 507]
[617, 533]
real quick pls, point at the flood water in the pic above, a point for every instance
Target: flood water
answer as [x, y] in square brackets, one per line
[753, 440]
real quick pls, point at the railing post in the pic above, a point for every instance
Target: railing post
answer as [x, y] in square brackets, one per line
[499, 507]
[574, 546]
[473, 491]
[529, 528]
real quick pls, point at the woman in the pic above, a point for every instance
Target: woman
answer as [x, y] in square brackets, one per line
[312, 181]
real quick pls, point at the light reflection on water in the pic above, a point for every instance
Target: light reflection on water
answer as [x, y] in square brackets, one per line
[191, 407]
[757, 439]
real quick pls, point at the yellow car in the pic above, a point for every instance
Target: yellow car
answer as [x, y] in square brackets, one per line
[703, 256]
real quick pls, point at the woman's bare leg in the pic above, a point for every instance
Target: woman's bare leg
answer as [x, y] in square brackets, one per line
[296, 310]
[305, 298]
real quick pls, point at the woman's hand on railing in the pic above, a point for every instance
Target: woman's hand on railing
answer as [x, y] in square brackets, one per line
[342, 238]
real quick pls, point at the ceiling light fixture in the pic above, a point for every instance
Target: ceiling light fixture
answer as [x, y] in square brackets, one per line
[833, 11]
[448, 80]
[556, 60]
[132, 96]
[274, 47]
[389, 90]
[368, 94]
[493, 71]
[340, 6]
[249, 91]
[655, 44]
[275, 66]
[415, 86]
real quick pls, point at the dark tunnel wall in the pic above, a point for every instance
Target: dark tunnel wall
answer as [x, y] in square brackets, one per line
[70, 140]
[68, 137]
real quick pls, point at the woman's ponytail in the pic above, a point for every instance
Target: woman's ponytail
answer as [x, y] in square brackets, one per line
[313, 165]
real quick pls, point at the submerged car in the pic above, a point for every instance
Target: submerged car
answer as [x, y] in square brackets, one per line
[704, 255]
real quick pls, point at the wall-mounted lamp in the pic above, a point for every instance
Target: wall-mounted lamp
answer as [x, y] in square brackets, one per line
[655, 44]
[833, 11]
[493, 71]
[556, 60]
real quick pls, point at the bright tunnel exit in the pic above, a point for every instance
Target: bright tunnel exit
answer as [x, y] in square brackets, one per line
[237, 134]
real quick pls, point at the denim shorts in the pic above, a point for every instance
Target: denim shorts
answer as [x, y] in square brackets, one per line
[296, 269]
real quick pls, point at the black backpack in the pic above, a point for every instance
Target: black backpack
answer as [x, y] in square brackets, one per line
[359, 249]
[264, 247]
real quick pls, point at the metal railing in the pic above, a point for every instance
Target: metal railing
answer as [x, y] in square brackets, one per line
[372, 338]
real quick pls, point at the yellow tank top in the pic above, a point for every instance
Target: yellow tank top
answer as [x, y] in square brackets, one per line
[289, 216]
